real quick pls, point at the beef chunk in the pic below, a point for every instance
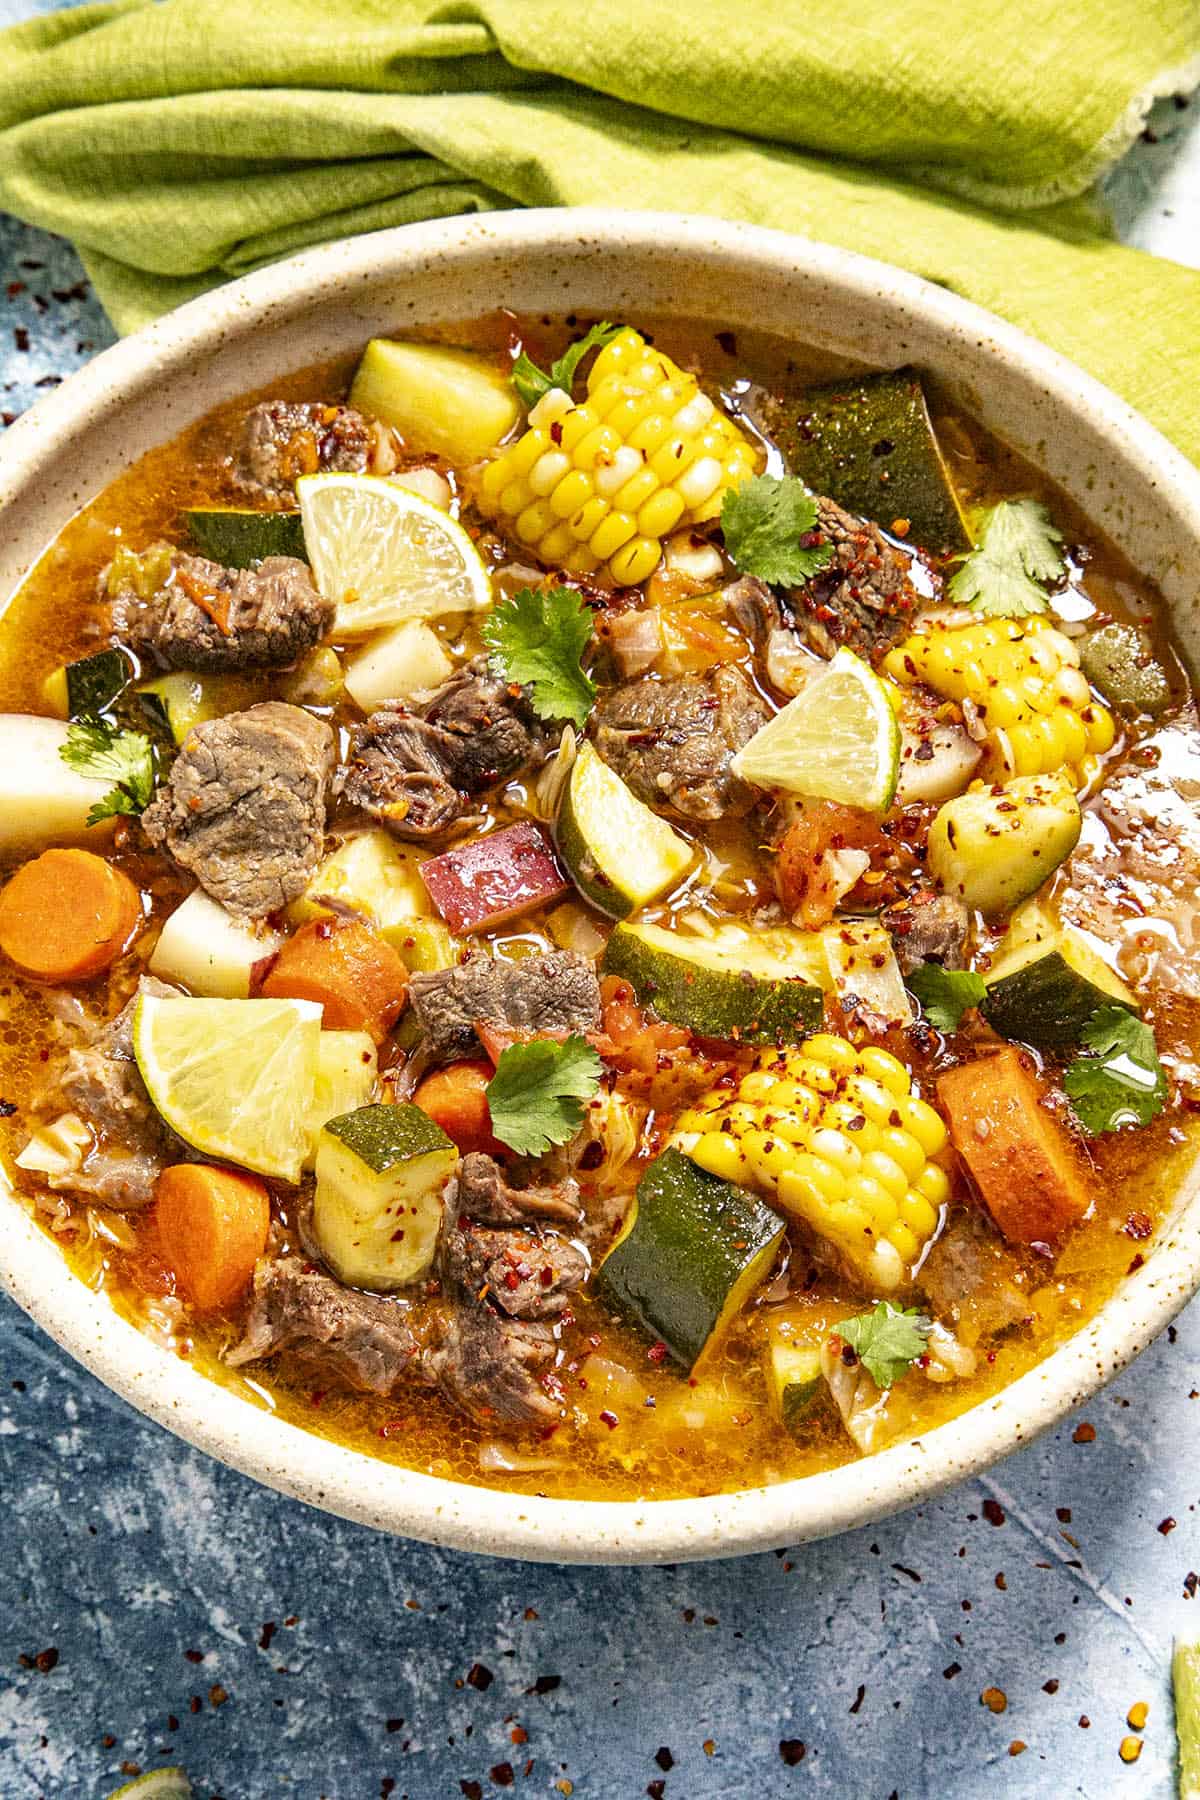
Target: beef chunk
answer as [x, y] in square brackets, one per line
[554, 990]
[865, 598]
[100, 1082]
[753, 607]
[364, 1340]
[415, 772]
[211, 618]
[527, 1274]
[244, 807]
[492, 1367]
[673, 741]
[973, 1280]
[928, 928]
[283, 439]
[484, 1195]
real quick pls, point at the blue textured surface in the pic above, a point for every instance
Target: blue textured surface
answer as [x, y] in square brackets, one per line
[274, 1651]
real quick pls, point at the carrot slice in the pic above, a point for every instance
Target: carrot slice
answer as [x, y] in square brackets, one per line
[456, 1099]
[1020, 1158]
[212, 1229]
[348, 969]
[67, 916]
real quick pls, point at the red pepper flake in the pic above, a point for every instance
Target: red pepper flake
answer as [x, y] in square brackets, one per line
[502, 1774]
[531, 1613]
[792, 1751]
[951, 1670]
[217, 1695]
[656, 1789]
[45, 1660]
[107, 1741]
[1051, 1686]
[657, 1353]
[856, 1703]
[1166, 1526]
[480, 1677]
[545, 1684]
[664, 1759]
[1016, 1747]
[1000, 1581]
[610, 1419]
[1084, 1433]
[995, 1699]
[195, 1704]
[709, 1747]
[473, 1790]
[393, 1725]
[1138, 1225]
[1063, 1514]
[194, 1656]
[413, 1605]
[518, 1735]
[1085, 1724]
[556, 431]
[993, 1512]
[172, 1722]
[387, 1787]
[266, 1634]
[131, 1768]
[1191, 1582]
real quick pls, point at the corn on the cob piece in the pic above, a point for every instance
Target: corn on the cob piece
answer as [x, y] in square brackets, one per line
[1030, 695]
[597, 486]
[836, 1136]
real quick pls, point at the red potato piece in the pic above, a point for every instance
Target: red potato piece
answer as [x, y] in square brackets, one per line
[494, 879]
[1020, 1158]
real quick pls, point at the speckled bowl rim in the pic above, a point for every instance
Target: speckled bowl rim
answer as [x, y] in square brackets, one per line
[572, 251]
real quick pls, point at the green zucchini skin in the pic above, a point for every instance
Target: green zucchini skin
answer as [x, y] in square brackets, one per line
[869, 444]
[239, 539]
[96, 682]
[733, 1003]
[1047, 1003]
[1119, 661]
[696, 1248]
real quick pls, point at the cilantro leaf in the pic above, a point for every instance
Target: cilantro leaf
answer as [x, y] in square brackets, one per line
[1122, 1081]
[945, 994]
[537, 638]
[100, 749]
[531, 382]
[764, 521]
[536, 1097]
[1018, 548]
[887, 1341]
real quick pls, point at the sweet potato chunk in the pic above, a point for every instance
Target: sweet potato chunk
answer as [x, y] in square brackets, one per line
[1018, 1155]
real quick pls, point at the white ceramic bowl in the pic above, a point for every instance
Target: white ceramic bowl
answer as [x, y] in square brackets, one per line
[330, 300]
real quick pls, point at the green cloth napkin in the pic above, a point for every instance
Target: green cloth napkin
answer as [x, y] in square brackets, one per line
[184, 142]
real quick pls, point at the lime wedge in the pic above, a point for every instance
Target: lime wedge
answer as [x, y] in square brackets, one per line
[837, 740]
[383, 554]
[236, 1079]
[1185, 1678]
[156, 1784]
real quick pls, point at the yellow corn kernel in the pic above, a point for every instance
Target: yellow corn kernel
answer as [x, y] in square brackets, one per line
[799, 1128]
[1023, 676]
[534, 522]
[645, 454]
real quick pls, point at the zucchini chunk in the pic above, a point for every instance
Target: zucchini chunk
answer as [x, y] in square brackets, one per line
[182, 700]
[85, 689]
[870, 445]
[454, 402]
[1046, 981]
[693, 1250]
[347, 1066]
[1119, 661]
[378, 1204]
[756, 987]
[239, 539]
[995, 846]
[619, 853]
[793, 1367]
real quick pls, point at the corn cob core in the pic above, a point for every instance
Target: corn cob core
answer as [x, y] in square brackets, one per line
[1024, 680]
[839, 1138]
[599, 485]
